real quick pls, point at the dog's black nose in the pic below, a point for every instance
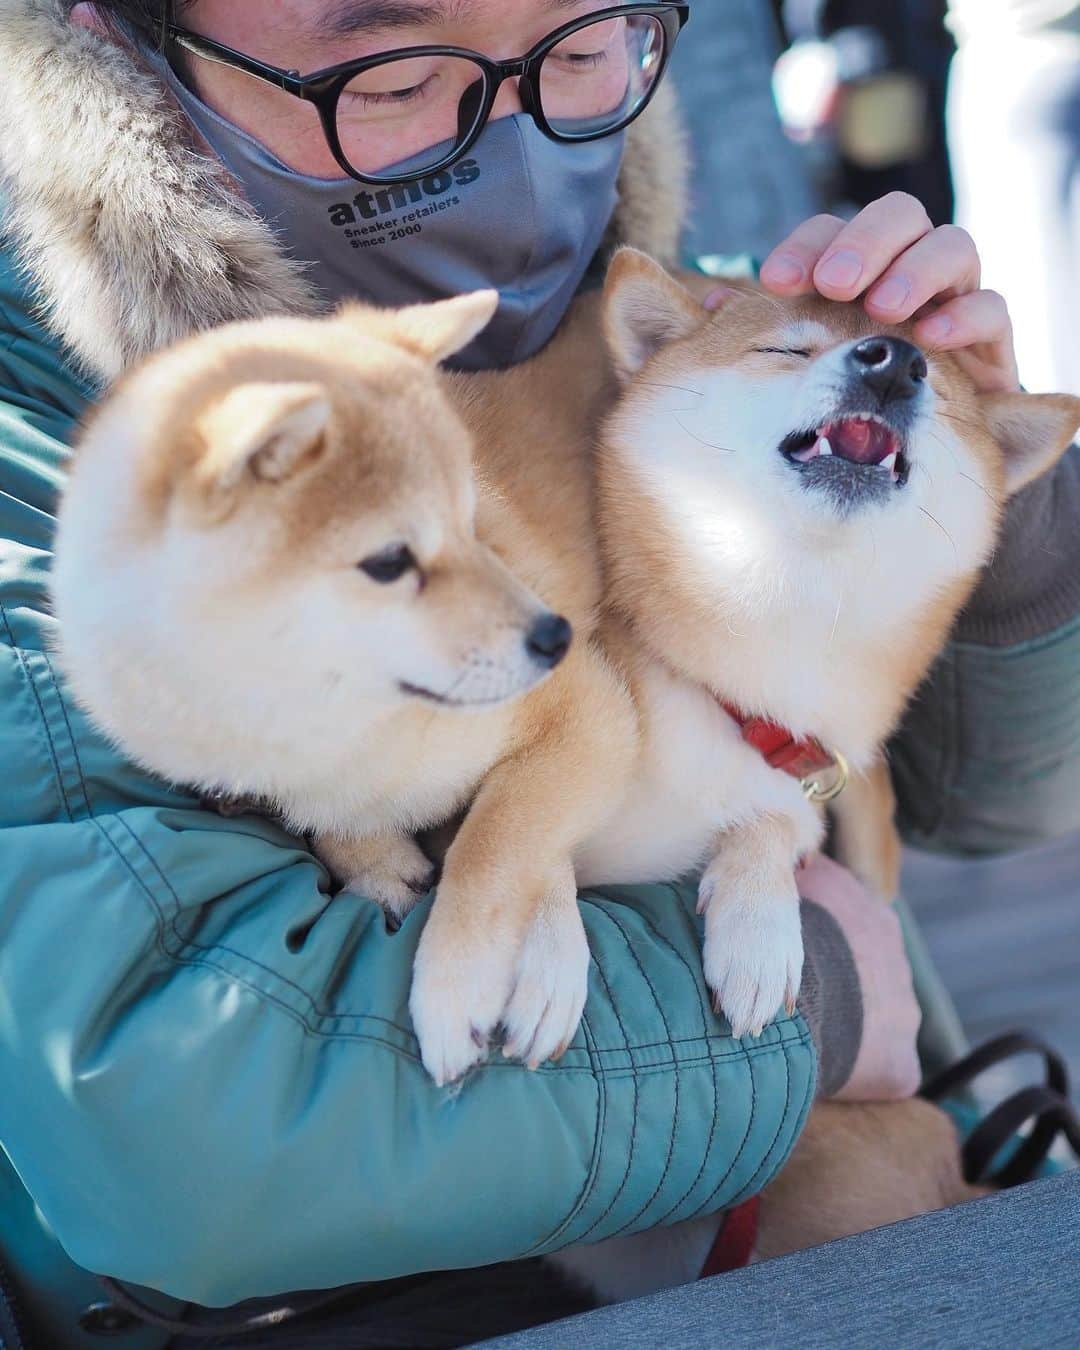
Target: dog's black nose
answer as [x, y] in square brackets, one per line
[891, 367]
[548, 640]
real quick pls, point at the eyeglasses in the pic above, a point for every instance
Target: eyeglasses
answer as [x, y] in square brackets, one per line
[425, 107]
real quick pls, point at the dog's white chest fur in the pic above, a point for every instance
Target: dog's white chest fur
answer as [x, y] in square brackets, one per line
[696, 776]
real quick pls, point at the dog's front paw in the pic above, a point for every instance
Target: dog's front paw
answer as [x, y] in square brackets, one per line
[468, 981]
[753, 955]
[552, 980]
[459, 990]
[387, 868]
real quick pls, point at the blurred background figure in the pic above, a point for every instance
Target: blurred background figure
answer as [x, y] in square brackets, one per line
[751, 184]
[862, 86]
[1014, 134]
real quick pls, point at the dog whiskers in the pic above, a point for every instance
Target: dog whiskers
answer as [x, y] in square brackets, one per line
[937, 436]
[765, 298]
[966, 422]
[976, 482]
[658, 384]
[943, 530]
[835, 623]
[700, 439]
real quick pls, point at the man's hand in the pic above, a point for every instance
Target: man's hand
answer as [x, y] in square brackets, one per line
[893, 257]
[886, 1065]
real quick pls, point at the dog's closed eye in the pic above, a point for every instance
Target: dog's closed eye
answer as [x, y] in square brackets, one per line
[783, 351]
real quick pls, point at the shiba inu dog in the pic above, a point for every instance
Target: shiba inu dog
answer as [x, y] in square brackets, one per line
[794, 504]
[279, 573]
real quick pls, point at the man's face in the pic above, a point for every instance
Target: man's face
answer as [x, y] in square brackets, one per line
[399, 111]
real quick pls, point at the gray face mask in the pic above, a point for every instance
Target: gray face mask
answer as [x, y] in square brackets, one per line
[520, 213]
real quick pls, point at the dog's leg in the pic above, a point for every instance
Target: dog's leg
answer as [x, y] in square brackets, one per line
[867, 841]
[753, 952]
[504, 943]
[859, 1166]
[387, 868]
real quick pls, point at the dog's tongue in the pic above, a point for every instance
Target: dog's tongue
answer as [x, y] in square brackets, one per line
[861, 441]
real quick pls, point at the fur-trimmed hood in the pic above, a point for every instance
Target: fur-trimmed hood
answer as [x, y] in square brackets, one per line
[132, 237]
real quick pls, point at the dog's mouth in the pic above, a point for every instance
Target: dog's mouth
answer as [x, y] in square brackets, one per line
[447, 700]
[863, 440]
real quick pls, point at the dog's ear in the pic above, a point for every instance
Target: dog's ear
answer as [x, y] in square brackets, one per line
[260, 431]
[1034, 431]
[438, 330]
[644, 309]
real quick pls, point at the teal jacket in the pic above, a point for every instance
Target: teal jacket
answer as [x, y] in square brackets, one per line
[211, 1084]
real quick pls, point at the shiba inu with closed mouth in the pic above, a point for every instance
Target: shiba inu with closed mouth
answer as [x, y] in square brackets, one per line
[794, 504]
[278, 575]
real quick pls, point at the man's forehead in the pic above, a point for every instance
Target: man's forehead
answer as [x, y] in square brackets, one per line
[346, 17]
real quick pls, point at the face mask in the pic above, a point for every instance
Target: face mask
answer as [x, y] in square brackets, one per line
[520, 213]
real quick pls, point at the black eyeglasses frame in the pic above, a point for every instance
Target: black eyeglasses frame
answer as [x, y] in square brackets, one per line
[323, 88]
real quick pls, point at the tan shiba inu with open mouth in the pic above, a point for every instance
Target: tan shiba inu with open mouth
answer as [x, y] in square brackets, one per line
[794, 504]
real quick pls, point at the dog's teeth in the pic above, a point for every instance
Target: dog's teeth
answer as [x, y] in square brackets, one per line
[823, 447]
[889, 462]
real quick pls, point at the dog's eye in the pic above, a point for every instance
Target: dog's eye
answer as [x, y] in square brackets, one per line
[389, 565]
[783, 351]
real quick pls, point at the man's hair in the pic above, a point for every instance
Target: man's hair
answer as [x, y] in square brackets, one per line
[143, 13]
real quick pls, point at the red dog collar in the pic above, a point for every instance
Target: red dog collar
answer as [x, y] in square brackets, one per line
[734, 1243]
[805, 760]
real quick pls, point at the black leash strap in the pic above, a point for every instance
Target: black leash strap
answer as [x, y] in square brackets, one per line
[296, 1307]
[993, 1052]
[292, 1309]
[1047, 1107]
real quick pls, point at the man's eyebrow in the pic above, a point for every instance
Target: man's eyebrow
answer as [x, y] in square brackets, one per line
[372, 16]
[348, 17]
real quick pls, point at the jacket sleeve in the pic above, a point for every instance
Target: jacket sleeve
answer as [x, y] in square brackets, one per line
[212, 1085]
[988, 758]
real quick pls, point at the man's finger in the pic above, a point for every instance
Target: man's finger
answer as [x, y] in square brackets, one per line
[943, 263]
[788, 270]
[982, 316]
[867, 245]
